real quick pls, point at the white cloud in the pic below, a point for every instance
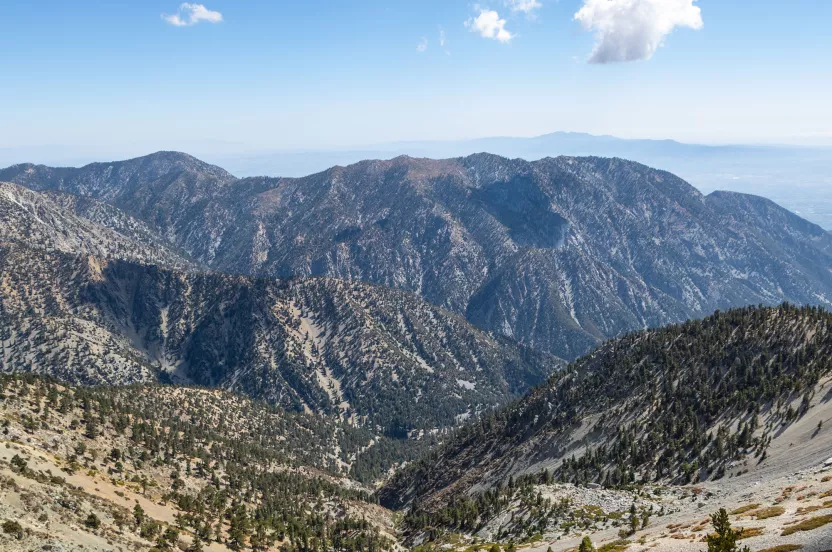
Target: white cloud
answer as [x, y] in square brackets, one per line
[191, 14]
[489, 25]
[630, 30]
[423, 45]
[525, 6]
[443, 41]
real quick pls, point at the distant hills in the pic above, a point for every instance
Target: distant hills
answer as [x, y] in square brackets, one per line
[75, 224]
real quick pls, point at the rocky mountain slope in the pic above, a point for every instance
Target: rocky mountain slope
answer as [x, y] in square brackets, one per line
[702, 401]
[176, 468]
[380, 358]
[62, 222]
[558, 253]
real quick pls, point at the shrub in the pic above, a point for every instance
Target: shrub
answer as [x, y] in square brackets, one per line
[13, 528]
[92, 521]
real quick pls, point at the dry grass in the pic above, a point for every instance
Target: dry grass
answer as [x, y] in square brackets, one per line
[766, 513]
[784, 548]
[744, 509]
[749, 532]
[808, 525]
[809, 509]
[616, 546]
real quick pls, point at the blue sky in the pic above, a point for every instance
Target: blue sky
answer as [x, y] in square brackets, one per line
[316, 73]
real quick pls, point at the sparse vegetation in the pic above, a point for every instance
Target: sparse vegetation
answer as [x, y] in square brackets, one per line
[615, 546]
[766, 513]
[808, 525]
[92, 522]
[249, 482]
[586, 545]
[744, 509]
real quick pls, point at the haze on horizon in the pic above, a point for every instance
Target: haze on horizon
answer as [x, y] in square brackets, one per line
[248, 76]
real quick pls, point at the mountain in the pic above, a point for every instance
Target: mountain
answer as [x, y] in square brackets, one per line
[62, 222]
[683, 404]
[378, 358]
[559, 254]
[796, 177]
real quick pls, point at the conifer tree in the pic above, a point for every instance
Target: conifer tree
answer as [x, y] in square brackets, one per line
[724, 539]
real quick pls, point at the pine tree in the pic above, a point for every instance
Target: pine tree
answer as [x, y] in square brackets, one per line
[138, 514]
[196, 545]
[724, 539]
[238, 529]
[586, 545]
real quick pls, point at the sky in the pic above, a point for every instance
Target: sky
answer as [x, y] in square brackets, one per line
[290, 75]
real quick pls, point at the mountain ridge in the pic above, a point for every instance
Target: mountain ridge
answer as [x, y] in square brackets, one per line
[73, 224]
[605, 245]
[353, 350]
[694, 403]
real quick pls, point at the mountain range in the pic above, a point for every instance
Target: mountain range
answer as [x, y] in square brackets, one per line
[794, 176]
[558, 254]
[402, 324]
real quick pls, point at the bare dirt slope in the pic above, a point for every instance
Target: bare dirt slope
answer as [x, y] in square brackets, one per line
[793, 486]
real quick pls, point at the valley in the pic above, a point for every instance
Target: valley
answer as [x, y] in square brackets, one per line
[420, 354]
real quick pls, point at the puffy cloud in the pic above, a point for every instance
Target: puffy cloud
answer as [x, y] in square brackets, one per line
[631, 30]
[489, 25]
[422, 46]
[525, 6]
[191, 14]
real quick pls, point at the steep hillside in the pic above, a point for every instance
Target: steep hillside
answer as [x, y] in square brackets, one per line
[62, 222]
[559, 254]
[380, 358]
[685, 404]
[130, 468]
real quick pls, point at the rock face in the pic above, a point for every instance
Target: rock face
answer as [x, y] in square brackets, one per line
[559, 253]
[72, 224]
[677, 405]
[377, 357]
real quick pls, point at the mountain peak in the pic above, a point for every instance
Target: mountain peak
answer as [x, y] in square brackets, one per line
[172, 160]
